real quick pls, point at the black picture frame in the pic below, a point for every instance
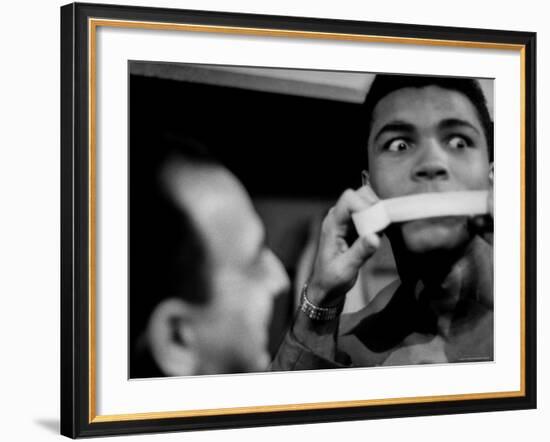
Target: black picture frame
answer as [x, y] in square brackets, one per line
[77, 408]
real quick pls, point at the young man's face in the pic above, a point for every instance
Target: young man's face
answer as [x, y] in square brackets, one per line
[422, 140]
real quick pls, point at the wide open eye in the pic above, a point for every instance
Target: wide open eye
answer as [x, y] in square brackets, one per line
[458, 142]
[397, 145]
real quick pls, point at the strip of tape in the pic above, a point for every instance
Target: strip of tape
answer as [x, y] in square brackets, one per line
[425, 205]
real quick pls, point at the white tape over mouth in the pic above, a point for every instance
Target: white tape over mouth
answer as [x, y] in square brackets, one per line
[424, 205]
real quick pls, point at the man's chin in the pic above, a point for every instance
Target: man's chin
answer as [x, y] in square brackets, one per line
[435, 234]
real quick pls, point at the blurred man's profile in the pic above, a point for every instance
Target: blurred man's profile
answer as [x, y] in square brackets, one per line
[202, 281]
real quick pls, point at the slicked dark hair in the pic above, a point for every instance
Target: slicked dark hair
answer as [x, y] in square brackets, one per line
[384, 84]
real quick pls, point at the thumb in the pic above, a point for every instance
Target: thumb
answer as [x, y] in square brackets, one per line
[363, 248]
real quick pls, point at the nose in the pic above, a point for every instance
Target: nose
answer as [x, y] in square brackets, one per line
[280, 281]
[432, 163]
[431, 171]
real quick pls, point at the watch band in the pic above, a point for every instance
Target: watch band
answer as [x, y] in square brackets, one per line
[317, 313]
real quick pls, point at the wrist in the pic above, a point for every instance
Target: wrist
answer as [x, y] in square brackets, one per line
[316, 334]
[322, 297]
[314, 305]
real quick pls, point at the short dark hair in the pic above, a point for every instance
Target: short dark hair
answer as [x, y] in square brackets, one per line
[384, 84]
[166, 255]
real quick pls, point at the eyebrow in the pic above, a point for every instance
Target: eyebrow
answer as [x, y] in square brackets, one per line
[403, 126]
[449, 123]
[394, 126]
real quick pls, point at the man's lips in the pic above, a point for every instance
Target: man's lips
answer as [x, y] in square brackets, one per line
[435, 223]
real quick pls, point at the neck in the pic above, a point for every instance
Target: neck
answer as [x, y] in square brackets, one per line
[443, 281]
[430, 268]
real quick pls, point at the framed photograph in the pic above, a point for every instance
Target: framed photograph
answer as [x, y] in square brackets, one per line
[275, 220]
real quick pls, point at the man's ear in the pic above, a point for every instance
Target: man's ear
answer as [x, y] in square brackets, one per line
[171, 338]
[491, 172]
[365, 178]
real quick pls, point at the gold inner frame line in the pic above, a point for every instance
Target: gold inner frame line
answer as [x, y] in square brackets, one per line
[93, 23]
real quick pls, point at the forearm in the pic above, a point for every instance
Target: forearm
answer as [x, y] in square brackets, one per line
[319, 336]
[318, 353]
[309, 344]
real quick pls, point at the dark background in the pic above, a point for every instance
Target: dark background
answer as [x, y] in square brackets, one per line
[277, 145]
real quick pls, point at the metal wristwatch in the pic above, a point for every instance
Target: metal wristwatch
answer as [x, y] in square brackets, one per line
[317, 313]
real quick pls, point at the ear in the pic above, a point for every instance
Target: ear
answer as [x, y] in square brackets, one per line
[491, 172]
[365, 178]
[171, 338]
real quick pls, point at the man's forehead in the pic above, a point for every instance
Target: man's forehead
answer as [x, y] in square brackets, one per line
[233, 233]
[424, 105]
[220, 208]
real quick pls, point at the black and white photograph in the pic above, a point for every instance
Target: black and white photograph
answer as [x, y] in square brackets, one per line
[290, 219]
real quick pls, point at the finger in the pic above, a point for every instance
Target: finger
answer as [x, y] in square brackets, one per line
[362, 249]
[367, 193]
[373, 239]
[349, 202]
